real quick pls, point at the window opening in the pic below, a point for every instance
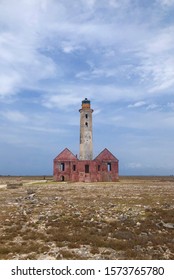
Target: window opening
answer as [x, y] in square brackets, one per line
[98, 167]
[62, 166]
[74, 167]
[86, 116]
[86, 168]
[62, 178]
[86, 124]
[109, 166]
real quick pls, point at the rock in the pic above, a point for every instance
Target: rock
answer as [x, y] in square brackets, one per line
[122, 217]
[30, 191]
[148, 208]
[167, 225]
[3, 186]
[167, 206]
[143, 234]
[41, 217]
[31, 196]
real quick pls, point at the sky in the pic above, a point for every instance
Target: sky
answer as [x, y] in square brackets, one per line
[117, 53]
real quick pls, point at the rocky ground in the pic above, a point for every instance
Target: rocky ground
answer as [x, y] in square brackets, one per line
[129, 219]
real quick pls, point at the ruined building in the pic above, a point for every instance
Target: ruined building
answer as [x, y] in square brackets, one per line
[67, 167]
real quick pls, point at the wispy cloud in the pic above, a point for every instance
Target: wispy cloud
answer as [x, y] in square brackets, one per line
[14, 116]
[165, 3]
[61, 101]
[137, 104]
[117, 53]
[28, 41]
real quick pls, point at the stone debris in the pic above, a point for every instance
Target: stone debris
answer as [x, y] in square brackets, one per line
[3, 186]
[167, 225]
[87, 221]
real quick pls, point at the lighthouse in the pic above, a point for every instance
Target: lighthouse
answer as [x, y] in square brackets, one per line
[68, 167]
[86, 145]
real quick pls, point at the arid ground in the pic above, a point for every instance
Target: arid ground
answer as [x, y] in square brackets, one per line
[129, 219]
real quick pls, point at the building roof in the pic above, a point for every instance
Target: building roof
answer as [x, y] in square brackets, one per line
[66, 154]
[106, 155]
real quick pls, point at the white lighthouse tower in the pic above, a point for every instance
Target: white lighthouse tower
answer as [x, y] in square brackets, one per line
[86, 146]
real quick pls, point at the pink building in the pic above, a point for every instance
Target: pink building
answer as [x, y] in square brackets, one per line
[67, 167]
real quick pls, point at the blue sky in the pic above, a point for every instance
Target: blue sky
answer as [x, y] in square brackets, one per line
[117, 53]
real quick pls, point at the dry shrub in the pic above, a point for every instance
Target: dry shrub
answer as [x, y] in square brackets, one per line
[95, 250]
[68, 255]
[29, 234]
[4, 250]
[100, 216]
[73, 245]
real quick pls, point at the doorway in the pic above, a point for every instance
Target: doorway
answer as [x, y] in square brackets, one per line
[62, 178]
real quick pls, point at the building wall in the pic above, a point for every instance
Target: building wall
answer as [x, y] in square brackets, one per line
[66, 173]
[85, 170]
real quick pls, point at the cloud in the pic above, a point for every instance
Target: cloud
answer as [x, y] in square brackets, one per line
[144, 104]
[45, 129]
[55, 53]
[61, 101]
[121, 52]
[165, 3]
[152, 106]
[134, 165]
[29, 40]
[137, 104]
[14, 116]
[9, 83]
[69, 96]
[156, 65]
[21, 66]
[170, 105]
[22, 63]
